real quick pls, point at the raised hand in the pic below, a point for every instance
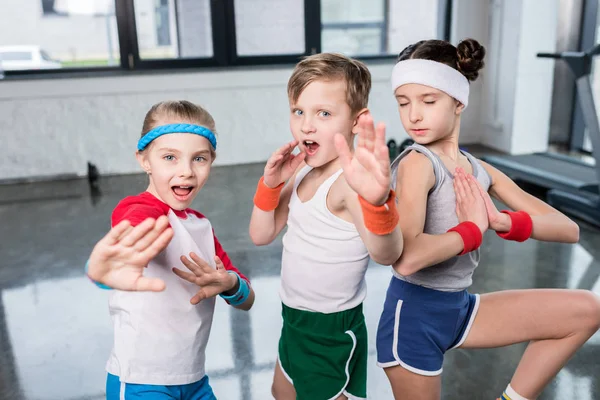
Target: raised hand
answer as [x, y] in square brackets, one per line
[367, 171]
[211, 281]
[498, 221]
[119, 258]
[282, 164]
[470, 206]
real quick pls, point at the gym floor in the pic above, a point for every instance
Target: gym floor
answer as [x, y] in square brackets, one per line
[55, 331]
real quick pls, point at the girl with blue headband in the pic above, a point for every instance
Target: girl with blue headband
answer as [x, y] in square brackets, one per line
[168, 254]
[428, 309]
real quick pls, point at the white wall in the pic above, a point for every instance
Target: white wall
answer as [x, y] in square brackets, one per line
[518, 85]
[53, 127]
[469, 20]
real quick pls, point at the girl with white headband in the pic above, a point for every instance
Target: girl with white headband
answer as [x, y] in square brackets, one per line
[172, 255]
[428, 309]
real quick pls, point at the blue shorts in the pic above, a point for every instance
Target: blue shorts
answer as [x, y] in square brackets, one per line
[117, 390]
[418, 325]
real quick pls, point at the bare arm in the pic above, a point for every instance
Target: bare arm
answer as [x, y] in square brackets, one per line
[549, 224]
[266, 225]
[281, 167]
[421, 250]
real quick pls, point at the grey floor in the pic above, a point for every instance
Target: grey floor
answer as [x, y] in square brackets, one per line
[55, 332]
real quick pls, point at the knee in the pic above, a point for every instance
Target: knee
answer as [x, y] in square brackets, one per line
[590, 308]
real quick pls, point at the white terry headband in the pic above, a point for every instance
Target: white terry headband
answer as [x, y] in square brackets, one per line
[434, 74]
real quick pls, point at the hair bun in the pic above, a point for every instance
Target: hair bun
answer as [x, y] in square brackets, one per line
[470, 58]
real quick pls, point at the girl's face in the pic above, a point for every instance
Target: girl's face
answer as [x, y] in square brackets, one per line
[427, 114]
[178, 165]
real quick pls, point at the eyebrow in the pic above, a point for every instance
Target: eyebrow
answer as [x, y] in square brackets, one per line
[421, 95]
[204, 151]
[317, 106]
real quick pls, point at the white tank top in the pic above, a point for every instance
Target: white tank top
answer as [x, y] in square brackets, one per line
[324, 259]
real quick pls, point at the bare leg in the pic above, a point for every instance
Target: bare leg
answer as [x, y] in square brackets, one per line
[282, 388]
[555, 322]
[407, 385]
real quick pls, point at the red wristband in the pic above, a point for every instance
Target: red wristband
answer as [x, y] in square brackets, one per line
[470, 234]
[520, 228]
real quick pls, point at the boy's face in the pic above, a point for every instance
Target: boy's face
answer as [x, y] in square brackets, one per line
[320, 112]
[178, 165]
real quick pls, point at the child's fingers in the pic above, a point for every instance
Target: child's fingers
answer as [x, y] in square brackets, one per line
[192, 266]
[296, 160]
[198, 297]
[203, 265]
[158, 245]
[137, 232]
[343, 151]
[459, 189]
[473, 186]
[219, 263]
[274, 160]
[368, 128]
[116, 232]
[188, 276]
[144, 284]
[160, 225]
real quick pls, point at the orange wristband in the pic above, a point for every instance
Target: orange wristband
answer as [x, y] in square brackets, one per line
[383, 219]
[266, 198]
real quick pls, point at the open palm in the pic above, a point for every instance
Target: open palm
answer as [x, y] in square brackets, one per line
[119, 258]
[367, 171]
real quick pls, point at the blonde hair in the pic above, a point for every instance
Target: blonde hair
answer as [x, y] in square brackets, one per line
[330, 67]
[181, 111]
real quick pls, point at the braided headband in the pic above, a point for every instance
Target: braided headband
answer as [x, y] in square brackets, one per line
[176, 128]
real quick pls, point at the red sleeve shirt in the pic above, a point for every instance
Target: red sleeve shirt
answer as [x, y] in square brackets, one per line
[137, 209]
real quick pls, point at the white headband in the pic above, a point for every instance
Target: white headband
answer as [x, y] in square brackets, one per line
[434, 74]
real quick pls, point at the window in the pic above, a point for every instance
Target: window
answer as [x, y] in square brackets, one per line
[85, 34]
[269, 27]
[376, 27]
[145, 34]
[16, 56]
[173, 29]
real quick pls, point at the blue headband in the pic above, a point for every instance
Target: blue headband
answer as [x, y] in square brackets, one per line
[176, 128]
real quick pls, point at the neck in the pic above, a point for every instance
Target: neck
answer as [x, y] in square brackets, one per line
[448, 145]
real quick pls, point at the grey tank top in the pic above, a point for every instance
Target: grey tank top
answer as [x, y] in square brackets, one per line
[456, 273]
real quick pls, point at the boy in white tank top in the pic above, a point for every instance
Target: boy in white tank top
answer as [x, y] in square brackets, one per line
[339, 209]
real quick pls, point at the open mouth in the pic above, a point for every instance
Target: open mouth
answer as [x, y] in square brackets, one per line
[311, 147]
[182, 193]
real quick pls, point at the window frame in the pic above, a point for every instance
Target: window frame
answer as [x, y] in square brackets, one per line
[224, 43]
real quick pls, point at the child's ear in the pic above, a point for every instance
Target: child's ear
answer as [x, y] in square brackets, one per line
[460, 107]
[364, 111]
[143, 161]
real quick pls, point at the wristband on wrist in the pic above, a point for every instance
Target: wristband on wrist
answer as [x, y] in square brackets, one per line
[470, 234]
[521, 226]
[100, 285]
[242, 293]
[380, 220]
[266, 198]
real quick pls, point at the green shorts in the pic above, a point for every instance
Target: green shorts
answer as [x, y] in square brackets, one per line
[324, 355]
